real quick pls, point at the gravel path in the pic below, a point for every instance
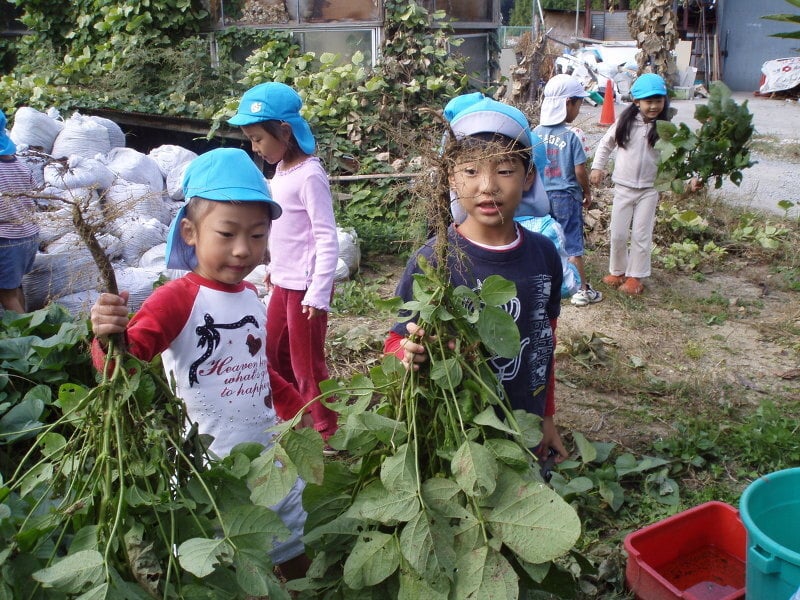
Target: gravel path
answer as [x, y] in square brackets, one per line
[769, 181]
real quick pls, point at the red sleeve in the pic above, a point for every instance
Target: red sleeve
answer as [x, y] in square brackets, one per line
[159, 321]
[286, 400]
[392, 345]
[550, 400]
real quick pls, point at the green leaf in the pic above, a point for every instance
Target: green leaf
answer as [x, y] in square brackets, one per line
[374, 558]
[488, 418]
[627, 463]
[587, 451]
[427, 544]
[413, 587]
[445, 497]
[73, 573]
[530, 427]
[22, 420]
[613, 493]
[98, 593]
[399, 471]
[304, 449]
[200, 556]
[509, 453]
[496, 290]
[271, 476]
[498, 331]
[254, 522]
[525, 513]
[254, 573]
[447, 373]
[376, 503]
[474, 469]
[484, 574]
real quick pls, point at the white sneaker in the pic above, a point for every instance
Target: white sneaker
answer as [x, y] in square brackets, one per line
[587, 296]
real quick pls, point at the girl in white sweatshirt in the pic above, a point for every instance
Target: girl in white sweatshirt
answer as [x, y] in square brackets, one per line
[633, 213]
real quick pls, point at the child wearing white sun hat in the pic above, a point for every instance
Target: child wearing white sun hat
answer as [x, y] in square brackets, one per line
[565, 176]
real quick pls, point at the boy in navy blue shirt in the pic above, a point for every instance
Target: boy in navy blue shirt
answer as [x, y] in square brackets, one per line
[489, 188]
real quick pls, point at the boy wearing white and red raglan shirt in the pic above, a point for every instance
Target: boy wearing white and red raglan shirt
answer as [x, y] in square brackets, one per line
[210, 325]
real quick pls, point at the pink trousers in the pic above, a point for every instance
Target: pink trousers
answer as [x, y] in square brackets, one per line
[296, 349]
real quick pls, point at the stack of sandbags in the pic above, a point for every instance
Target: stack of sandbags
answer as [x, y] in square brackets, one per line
[82, 136]
[35, 129]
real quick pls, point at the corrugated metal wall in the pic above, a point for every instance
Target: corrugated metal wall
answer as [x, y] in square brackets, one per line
[610, 26]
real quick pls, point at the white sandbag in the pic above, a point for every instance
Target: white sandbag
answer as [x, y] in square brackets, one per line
[35, 161]
[138, 235]
[342, 272]
[138, 282]
[175, 181]
[349, 249]
[53, 224]
[56, 275]
[131, 165]
[68, 242]
[136, 200]
[257, 277]
[154, 258]
[36, 129]
[116, 137]
[78, 172]
[82, 136]
[79, 304]
[169, 156]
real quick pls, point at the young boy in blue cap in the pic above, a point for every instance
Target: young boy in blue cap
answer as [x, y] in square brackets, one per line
[19, 234]
[210, 325]
[492, 177]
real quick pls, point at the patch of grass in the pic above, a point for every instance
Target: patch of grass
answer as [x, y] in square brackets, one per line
[774, 147]
[356, 297]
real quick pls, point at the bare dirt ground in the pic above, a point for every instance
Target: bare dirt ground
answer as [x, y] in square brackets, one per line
[732, 339]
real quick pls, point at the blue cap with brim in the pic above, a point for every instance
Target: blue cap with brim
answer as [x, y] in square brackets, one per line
[6, 145]
[647, 86]
[471, 114]
[275, 101]
[221, 175]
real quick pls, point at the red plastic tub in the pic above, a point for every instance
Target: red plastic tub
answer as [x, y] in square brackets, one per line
[698, 554]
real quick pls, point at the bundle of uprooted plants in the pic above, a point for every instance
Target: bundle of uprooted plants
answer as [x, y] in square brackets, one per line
[116, 498]
[443, 498]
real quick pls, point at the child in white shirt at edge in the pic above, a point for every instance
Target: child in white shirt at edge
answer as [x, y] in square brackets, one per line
[304, 246]
[209, 325]
[633, 212]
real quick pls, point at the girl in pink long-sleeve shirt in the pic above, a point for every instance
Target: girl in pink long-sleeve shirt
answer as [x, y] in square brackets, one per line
[303, 244]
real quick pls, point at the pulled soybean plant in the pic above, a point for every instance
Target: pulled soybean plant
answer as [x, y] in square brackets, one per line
[111, 493]
[719, 148]
[443, 498]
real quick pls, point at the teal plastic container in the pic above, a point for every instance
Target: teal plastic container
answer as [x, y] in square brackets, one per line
[770, 511]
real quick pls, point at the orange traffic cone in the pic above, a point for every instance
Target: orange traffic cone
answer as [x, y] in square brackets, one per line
[607, 116]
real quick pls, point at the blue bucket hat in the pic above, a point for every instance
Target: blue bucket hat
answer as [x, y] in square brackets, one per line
[6, 145]
[275, 101]
[221, 175]
[647, 86]
[471, 114]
